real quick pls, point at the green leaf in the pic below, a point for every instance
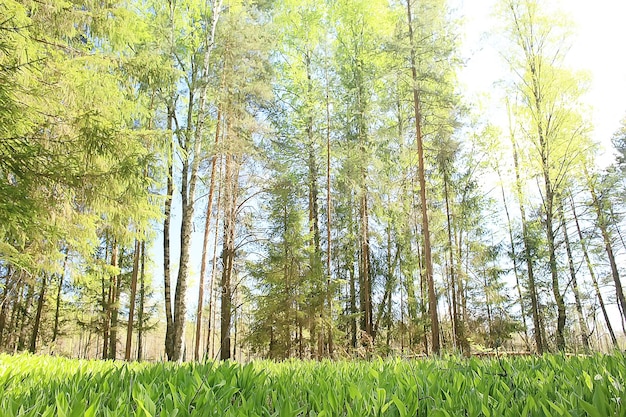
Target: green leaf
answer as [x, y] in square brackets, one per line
[354, 392]
[590, 409]
[399, 405]
[91, 411]
[588, 381]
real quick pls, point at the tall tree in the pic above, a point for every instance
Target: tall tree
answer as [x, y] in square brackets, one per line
[419, 140]
[245, 92]
[540, 343]
[551, 121]
[582, 323]
[592, 274]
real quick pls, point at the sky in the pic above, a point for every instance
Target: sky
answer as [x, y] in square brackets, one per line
[597, 47]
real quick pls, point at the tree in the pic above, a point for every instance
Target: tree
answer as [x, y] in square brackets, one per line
[602, 223]
[432, 19]
[244, 93]
[540, 343]
[550, 119]
[65, 157]
[281, 275]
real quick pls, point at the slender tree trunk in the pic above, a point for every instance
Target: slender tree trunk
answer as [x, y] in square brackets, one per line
[171, 115]
[389, 283]
[608, 247]
[415, 305]
[389, 315]
[515, 265]
[14, 305]
[353, 309]
[106, 318]
[212, 292]
[313, 172]
[594, 280]
[205, 242]
[488, 305]
[231, 178]
[57, 310]
[329, 291]
[365, 270]
[6, 289]
[543, 135]
[114, 302]
[40, 302]
[550, 234]
[142, 301]
[461, 284]
[402, 324]
[432, 297]
[190, 146]
[365, 285]
[582, 323]
[24, 316]
[457, 324]
[532, 289]
[315, 257]
[169, 333]
[133, 296]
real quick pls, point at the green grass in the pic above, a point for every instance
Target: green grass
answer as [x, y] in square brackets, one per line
[534, 386]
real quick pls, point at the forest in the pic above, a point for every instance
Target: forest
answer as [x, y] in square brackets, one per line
[246, 179]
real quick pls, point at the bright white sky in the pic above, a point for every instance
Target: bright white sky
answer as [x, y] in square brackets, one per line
[598, 48]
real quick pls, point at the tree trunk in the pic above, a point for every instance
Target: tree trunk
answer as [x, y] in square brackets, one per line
[353, 309]
[142, 301]
[315, 257]
[57, 310]
[594, 280]
[608, 247]
[169, 332]
[205, 242]
[13, 305]
[6, 289]
[365, 287]
[389, 283]
[313, 174]
[550, 190]
[457, 325]
[23, 317]
[106, 318]
[488, 306]
[582, 323]
[37, 322]
[432, 297]
[534, 304]
[133, 296]
[212, 293]
[550, 234]
[231, 179]
[329, 291]
[191, 149]
[115, 285]
[188, 190]
[515, 265]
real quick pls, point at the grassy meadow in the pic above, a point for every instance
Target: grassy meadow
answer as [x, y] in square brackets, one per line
[551, 385]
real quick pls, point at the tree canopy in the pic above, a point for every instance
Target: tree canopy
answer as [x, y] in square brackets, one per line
[291, 178]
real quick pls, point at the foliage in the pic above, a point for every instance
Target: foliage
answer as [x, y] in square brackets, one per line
[550, 385]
